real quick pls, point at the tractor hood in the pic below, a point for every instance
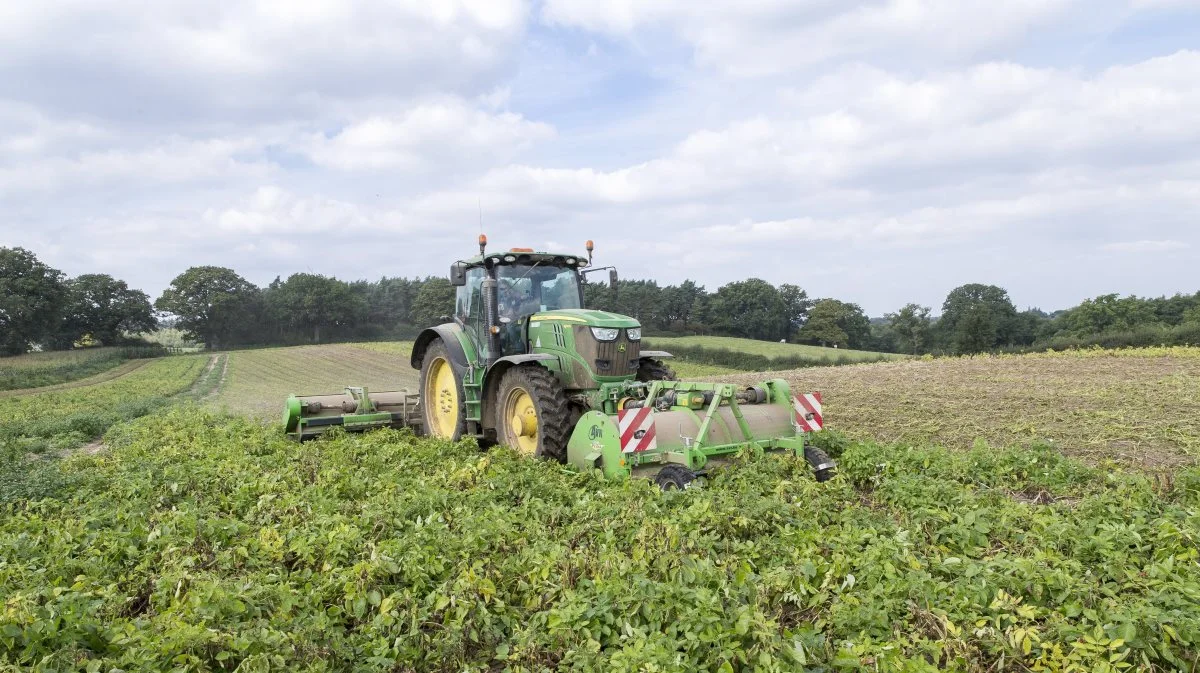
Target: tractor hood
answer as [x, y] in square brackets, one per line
[583, 316]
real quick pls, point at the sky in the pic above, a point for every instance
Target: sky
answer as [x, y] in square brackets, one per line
[879, 152]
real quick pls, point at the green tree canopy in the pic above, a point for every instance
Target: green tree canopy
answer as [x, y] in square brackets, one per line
[309, 302]
[977, 317]
[751, 308]
[1109, 313]
[32, 297]
[434, 300]
[910, 325]
[104, 307]
[796, 306]
[837, 323]
[213, 304]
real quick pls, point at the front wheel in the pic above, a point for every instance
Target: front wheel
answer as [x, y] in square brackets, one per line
[650, 369]
[441, 395]
[531, 413]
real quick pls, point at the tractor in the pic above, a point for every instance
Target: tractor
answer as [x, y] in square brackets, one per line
[522, 363]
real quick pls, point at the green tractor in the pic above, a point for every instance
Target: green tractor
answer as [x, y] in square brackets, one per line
[522, 363]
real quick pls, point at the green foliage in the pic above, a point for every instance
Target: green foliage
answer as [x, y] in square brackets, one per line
[213, 304]
[434, 299]
[32, 296]
[208, 543]
[755, 362]
[54, 367]
[103, 308]
[771, 349]
[837, 323]
[752, 308]
[309, 302]
[975, 318]
[911, 326]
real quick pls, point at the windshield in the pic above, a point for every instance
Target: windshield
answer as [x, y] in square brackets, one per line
[530, 288]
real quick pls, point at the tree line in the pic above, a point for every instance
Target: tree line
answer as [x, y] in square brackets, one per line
[40, 306]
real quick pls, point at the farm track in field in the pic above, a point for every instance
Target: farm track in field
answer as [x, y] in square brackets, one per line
[103, 377]
[1141, 410]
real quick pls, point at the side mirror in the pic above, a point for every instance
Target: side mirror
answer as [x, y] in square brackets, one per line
[612, 278]
[458, 274]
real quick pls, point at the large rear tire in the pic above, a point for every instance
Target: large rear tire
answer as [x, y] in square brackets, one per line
[650, 369]
[442, 395]
[532, 414]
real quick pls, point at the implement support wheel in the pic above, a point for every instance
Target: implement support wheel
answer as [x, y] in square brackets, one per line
[531, 413]
[823, 466]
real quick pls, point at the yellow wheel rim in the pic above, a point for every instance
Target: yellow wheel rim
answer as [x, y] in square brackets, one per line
[441, 397]
[521, 422]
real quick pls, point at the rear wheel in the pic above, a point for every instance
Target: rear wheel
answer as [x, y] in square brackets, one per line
[650, 369]
[532, 414]
[441, 395]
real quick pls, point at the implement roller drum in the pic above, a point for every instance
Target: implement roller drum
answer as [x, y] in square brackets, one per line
[306, 416]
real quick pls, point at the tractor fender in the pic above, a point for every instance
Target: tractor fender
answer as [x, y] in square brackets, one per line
[656, 354]
[452, 336]
[496, 372]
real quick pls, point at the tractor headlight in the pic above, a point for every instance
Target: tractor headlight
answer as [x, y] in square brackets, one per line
[605, 333]
[634, 333]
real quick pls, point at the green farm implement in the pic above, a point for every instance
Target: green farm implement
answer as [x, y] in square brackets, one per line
[522, 363]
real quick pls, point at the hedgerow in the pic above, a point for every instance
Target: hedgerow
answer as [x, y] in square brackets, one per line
[202, 542]
[755, 362]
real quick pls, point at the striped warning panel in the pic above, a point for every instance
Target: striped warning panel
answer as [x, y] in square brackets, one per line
[637, 429]
[808, 412]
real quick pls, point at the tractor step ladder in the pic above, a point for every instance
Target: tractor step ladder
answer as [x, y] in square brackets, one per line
[473, 400]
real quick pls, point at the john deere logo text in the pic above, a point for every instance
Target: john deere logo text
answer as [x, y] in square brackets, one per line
[621, 348]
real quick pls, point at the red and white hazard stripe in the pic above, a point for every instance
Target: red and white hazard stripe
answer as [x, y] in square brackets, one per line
[637, 429]
[808, 412]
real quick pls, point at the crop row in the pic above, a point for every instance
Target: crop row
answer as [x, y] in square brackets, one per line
[204, 542]
[45, 369]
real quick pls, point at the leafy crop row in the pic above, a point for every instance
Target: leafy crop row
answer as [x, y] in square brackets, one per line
[201, 542]
[45, 369]
[39, 423]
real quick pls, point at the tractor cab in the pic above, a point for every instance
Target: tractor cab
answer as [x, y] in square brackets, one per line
[524, 283]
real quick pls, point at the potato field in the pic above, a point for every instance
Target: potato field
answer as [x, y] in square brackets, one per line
[1034, 513]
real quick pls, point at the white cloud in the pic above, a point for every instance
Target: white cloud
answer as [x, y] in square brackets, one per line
[273, 212]
[1138, 247]
[191, 60]
[773, 36]
[428, 134]
[933, 141]
[171, 160]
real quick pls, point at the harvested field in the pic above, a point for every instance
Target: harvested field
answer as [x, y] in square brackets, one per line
[258, 381]
[1140, 408]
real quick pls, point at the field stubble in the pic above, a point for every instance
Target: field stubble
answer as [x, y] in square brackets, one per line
[1139, 408]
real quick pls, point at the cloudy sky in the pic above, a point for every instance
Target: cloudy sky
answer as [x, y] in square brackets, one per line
[879, 152]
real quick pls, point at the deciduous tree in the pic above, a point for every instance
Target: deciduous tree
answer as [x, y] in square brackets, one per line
[32, 297]
[214, 304]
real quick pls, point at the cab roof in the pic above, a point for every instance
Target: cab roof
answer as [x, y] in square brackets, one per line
[528, 256]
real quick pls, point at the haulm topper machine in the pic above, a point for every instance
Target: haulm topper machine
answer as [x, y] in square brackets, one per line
[522, 363]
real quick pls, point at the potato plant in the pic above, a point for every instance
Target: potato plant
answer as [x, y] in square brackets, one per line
[204, 542]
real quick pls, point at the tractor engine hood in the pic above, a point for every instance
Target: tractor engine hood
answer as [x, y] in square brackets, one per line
[583, 316]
